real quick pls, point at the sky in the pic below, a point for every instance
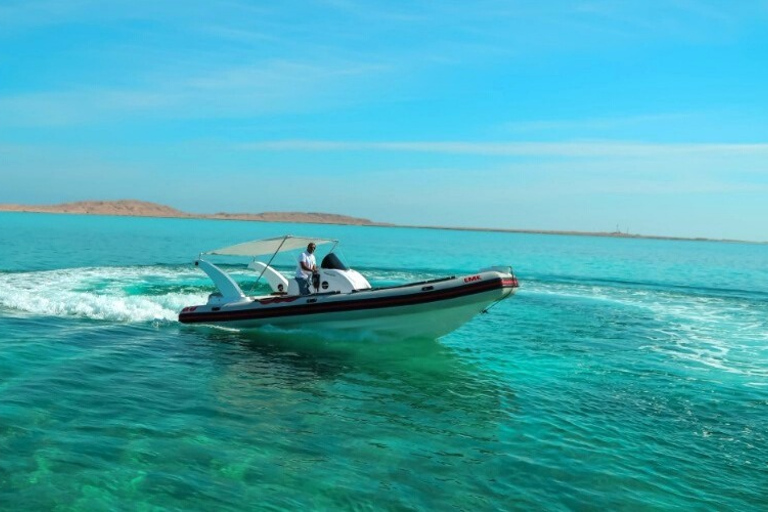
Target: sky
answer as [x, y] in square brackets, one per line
[648, 117]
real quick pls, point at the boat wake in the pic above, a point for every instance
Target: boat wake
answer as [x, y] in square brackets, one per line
[728, 332]
[134, 294]
[117, 294]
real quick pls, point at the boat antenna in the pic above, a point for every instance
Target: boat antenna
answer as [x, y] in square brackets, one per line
[286, 237]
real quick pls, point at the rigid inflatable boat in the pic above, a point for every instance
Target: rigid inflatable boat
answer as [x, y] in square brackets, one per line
[341, 299]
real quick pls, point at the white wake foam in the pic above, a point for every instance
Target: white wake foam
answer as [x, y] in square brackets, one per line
[726, 333]
[102, 293]
[118, 294]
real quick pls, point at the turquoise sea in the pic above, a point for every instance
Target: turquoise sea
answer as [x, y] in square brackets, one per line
[625, 374]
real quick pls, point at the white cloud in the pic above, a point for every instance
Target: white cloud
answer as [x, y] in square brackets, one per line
[599, 123]
[76, 107]
[219, 92]
[576, 149]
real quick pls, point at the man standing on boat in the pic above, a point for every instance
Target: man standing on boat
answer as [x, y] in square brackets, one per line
[305, 268]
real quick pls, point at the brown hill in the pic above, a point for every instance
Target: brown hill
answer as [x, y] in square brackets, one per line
[299, 217]
[129, 207]
[134, 208]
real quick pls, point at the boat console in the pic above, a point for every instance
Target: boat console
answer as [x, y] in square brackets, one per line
[333, 276]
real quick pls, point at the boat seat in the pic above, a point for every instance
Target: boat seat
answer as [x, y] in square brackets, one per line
[276, 280]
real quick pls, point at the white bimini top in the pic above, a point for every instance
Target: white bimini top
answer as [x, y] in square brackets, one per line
[270, 246]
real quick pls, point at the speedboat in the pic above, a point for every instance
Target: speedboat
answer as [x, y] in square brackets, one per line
[342, 299]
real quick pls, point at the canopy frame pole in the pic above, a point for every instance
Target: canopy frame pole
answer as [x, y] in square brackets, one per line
[277, 251]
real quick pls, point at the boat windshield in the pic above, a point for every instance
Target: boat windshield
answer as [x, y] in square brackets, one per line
[331, 261]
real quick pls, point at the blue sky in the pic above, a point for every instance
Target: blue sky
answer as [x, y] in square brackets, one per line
[555, 115]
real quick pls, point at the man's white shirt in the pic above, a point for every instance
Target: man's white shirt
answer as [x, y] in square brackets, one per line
[309, 261]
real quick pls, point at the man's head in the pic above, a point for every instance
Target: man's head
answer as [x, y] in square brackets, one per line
[311, 248]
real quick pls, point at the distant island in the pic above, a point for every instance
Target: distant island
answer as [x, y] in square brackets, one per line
[135, 208]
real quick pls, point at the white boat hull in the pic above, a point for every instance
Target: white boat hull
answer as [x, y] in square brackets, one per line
[422, 310]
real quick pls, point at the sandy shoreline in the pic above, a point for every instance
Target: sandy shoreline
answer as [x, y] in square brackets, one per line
[135, 208]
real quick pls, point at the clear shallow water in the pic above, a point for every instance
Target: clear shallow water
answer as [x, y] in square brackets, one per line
[624, 374]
